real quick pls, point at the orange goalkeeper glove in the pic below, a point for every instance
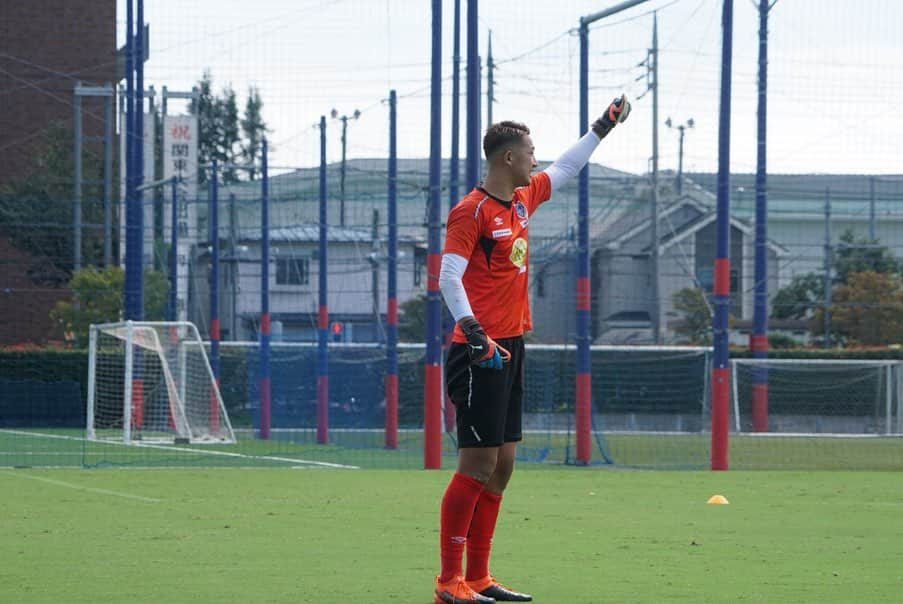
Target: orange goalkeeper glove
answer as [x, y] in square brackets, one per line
[616, 113]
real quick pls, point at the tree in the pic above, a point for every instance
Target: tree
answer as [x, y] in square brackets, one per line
[204, 107]
[218, 136]
[253, 127]
[697, 315]
[858, 255]
[36, 210]
[798, 299]
[412, 320]
[228, 144]
[866, 310]
[97, 298]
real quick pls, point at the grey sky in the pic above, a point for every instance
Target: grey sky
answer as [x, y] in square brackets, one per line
[835, 74]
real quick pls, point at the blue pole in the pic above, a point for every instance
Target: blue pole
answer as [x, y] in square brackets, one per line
[758, 341]
[454, 177]
[265, 387]
[454, 170]
[132, 302]
[392, 286]
[214, 269]
[722, 293]
[139, 157]
[473, 96]
[432, 417]
[323, 311]
[584, 376]
[173, 311]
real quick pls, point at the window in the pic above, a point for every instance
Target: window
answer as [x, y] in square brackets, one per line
[292, 271]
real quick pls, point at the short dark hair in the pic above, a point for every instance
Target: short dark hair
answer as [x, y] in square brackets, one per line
[501, 135]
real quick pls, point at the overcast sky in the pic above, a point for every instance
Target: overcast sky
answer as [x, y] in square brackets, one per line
[835, 75]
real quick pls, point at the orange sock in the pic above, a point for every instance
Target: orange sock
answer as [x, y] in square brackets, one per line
[479, 539]
[455, 516]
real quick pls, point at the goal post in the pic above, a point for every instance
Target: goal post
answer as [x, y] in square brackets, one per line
[152, 382]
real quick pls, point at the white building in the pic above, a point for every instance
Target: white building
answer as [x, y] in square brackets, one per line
[356, 283]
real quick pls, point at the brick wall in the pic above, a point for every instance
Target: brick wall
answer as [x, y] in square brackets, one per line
[45, 47]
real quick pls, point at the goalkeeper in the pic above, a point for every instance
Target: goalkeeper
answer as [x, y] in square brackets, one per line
[484, 282]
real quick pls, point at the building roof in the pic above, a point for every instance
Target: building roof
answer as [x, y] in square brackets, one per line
[803, 195]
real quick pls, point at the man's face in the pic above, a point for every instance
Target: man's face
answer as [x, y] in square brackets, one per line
[522, 161]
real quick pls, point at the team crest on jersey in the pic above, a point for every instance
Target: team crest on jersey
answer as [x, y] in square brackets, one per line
[520, 209]
[518, 254]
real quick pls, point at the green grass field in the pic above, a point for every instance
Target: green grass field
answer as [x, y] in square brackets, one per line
[567, 534]
[365, 449]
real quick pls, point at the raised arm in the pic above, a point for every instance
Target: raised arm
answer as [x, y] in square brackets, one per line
[572, 161]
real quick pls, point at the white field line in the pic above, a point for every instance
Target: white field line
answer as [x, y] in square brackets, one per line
[298, 463]
[78, 487]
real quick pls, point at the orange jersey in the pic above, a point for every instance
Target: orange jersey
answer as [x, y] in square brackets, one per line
[492, 235]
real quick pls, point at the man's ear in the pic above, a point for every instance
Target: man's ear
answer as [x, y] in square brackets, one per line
[509, 156]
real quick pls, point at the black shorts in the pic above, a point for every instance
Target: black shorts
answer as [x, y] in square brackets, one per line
[488, 403]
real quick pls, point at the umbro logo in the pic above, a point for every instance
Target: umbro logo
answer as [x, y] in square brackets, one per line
[476, 348]
[498, 220]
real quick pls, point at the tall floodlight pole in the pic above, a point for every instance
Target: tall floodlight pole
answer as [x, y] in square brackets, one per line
[584, 378]
[681, 129]
[133, 267]
[432, 412]
[758, 339]
[472, 171]
[172, 309]
[722, 268]
[139, 153]
[77, 197]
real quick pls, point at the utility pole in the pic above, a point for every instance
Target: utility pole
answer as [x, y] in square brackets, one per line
[827, 268]
[344, 119]
[233, 272]
[872, 237]
[654, 269]
[680, 151]
[490, 82]
[374, 276]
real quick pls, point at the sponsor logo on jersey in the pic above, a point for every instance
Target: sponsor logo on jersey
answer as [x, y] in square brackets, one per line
[498, 220]
[518, 255]
[520, 209]
[501, 233]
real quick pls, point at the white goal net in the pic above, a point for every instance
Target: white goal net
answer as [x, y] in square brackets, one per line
[152, 382]
[820, 396]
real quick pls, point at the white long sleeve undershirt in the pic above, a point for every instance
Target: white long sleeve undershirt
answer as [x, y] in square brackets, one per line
[450, 275]
[572, 161]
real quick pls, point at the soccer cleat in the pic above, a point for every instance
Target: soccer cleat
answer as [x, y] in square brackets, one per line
[457, 591]
[489, 587]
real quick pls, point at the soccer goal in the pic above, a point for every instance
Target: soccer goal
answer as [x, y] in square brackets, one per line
[152, 382]
[821, 396]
